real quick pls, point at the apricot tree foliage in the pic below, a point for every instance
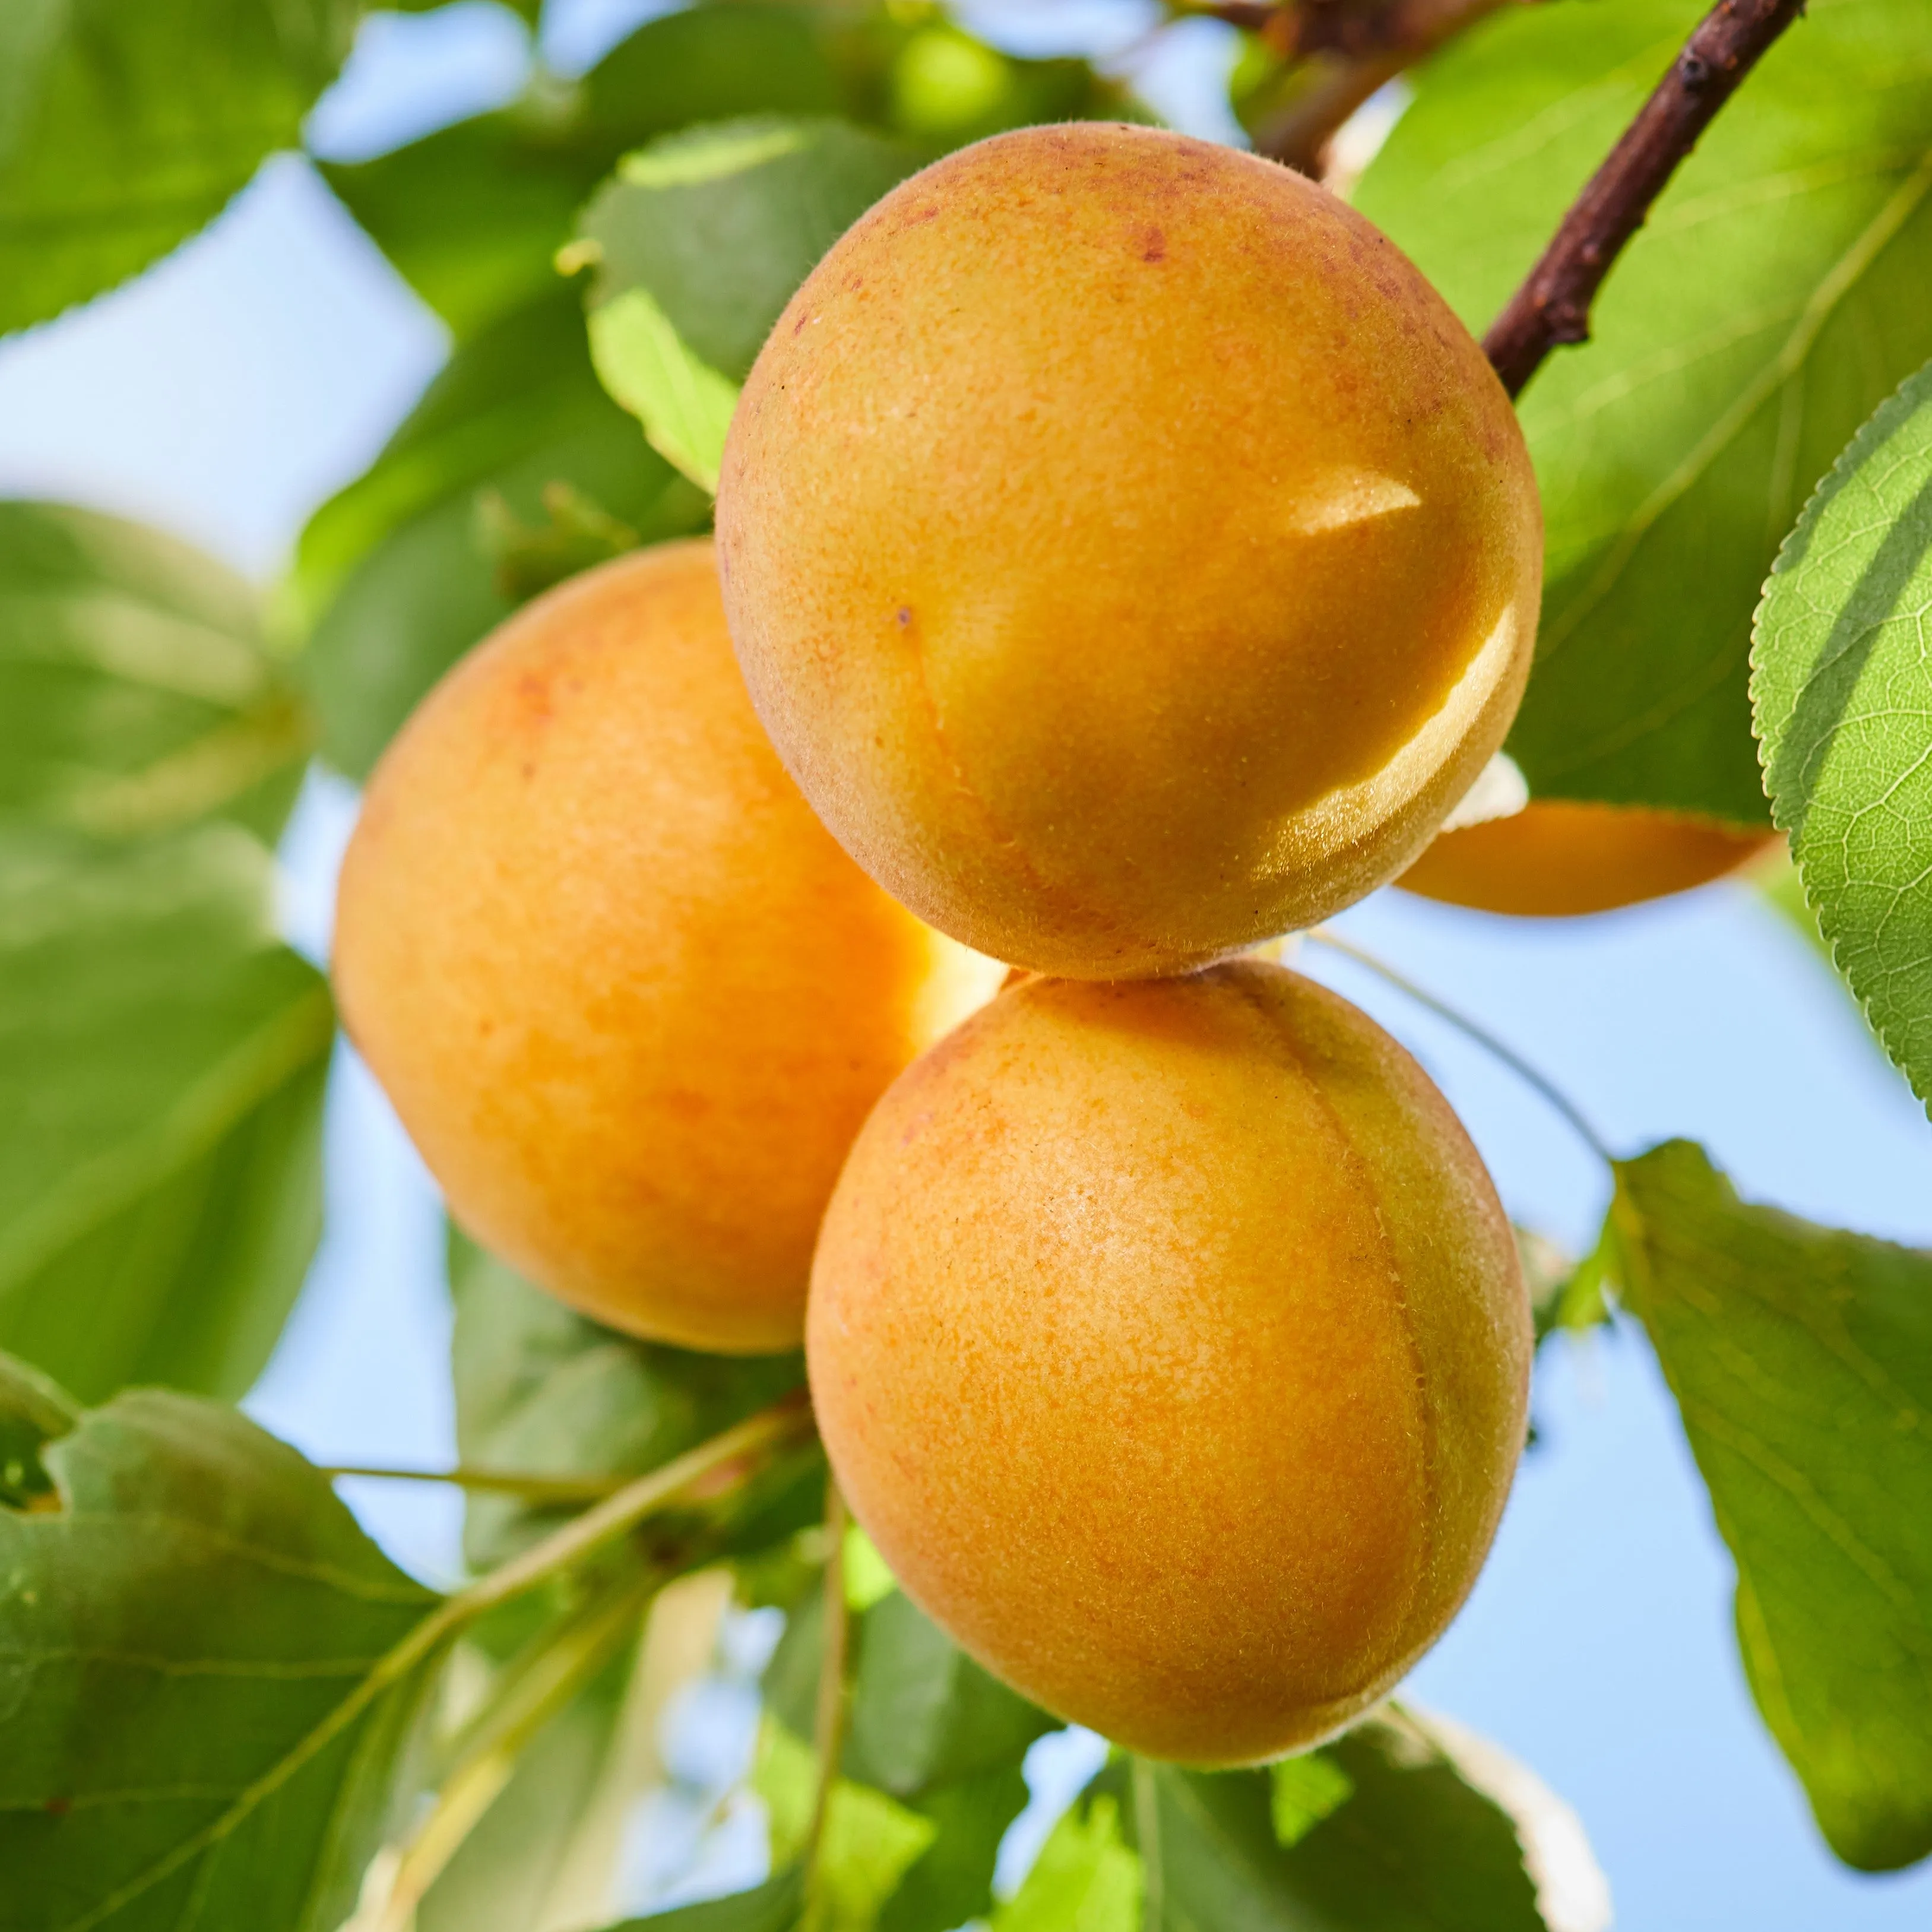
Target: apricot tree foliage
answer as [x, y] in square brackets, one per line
[223, 1707]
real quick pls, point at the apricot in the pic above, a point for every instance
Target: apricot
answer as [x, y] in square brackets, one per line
[628, 997]
[1168, 1339]
[1129, 553]
[1556, 857]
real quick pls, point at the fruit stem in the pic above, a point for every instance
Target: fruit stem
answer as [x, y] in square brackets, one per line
[1552, 1093]
[828, 1719]
[559, 1489]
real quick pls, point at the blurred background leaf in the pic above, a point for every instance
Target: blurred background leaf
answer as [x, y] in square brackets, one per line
[1773, 298]
[123, 129]
[773, 1906]
[1843, 687]
[174, 1639]
[472, 215]
[162, 1059]
[136, 695]
[1800, 1358]
[548, 1392]
[398, 573]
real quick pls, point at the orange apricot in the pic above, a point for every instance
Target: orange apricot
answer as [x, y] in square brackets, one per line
[1557, 857]
[1131, 555]
[628, 997]
[1169, 1340]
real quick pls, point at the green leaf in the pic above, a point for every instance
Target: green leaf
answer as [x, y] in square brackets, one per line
[923, 1713]
[868, 1841]
[186, 1641]
[951, 1883]
[774, 1906]
[161, 1065]
[1386, 1832]
[721, 224]
[1800, 1358]
[1773, 298]
[548, 1392]
[1085, 1880]
[926, 1725]
[699, 241]
[1843, 692]
[124, 128]
[136, 695]
[395, 576]
[473, 215]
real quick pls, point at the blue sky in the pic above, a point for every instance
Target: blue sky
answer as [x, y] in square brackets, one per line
[234, 387]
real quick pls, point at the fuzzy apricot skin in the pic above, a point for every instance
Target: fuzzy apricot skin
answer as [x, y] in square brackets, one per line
[1169, 1341]
[1556, 859]
[630, 999]
[1129, 552]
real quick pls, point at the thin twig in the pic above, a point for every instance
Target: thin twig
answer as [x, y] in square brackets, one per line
[1553, 305]
[559, 1489]
[1148, 1838]
[1343, 51]
[1483, 1037]
[828, 1719]
[488, 1755]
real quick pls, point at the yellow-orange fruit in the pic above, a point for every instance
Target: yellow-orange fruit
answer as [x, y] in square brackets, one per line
[1556, 857]
[630, 999]
[1130, 554]
[1169, 1340]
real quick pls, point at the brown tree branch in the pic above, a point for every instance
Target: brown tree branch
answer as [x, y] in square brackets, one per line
[1553, 305]
[1341, 52]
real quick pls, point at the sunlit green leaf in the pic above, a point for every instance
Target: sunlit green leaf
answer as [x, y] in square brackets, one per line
[1843, 687]
[136, 695]
[684, 405]
[1775, 295]
[187, 1641]
[161, 1065]
[1085, 1880]
[1304, 1791]
[867, 1842]
[1800, 1358]
[124, 128]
